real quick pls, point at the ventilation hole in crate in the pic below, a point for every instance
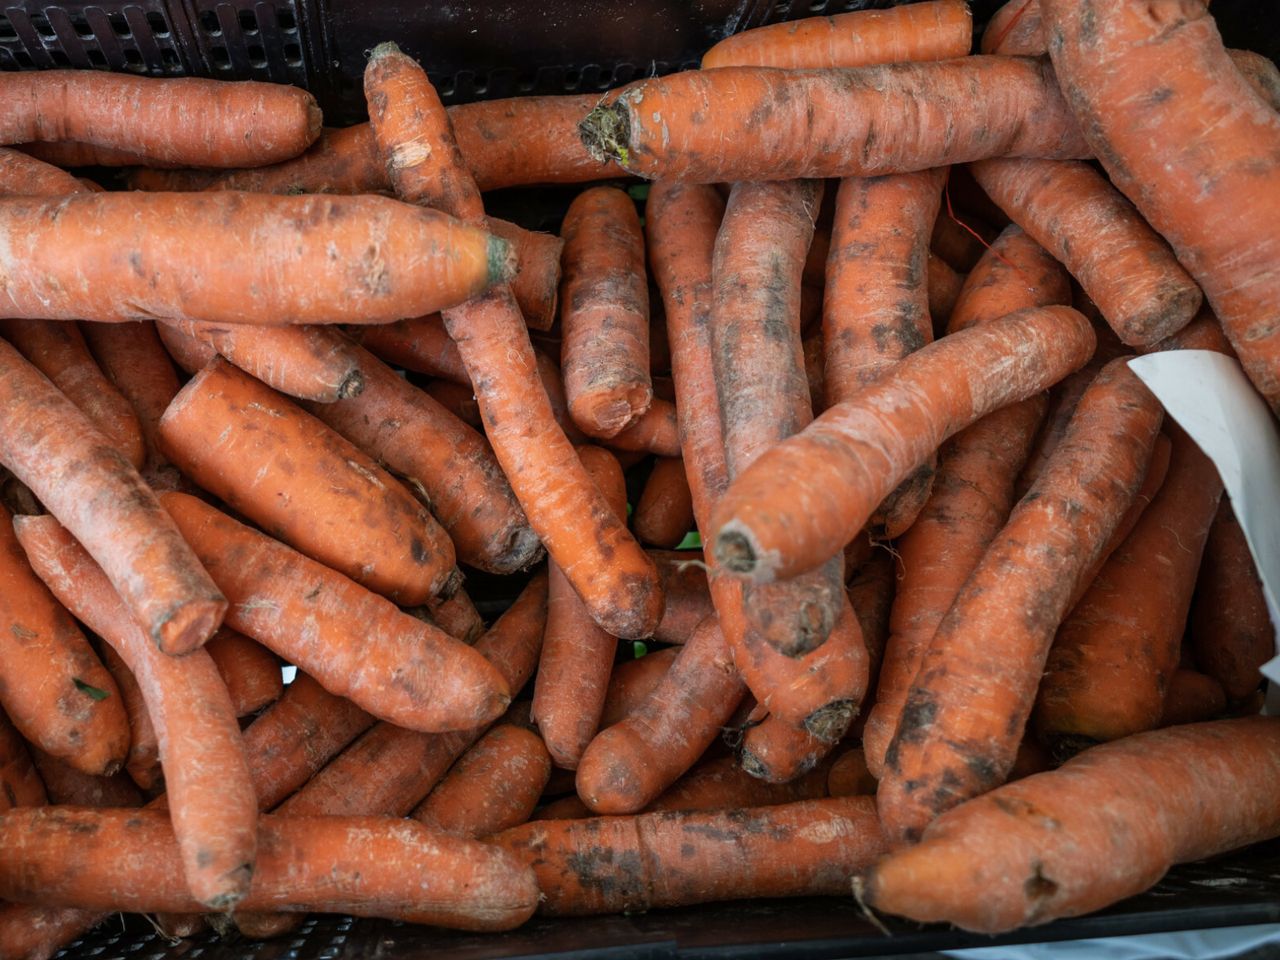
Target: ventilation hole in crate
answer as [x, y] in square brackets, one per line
[209, 23]
[43, 27]
[133, 59]
[817, 6]
[447, 87]
[119, 25]
[158, 24]
[571, 79]
[525, 82]
[59, 58]
[248, 22]
[6, 29]
[221, 59]
[781, 10]
[81, 26]
[170, 60]
[257, 56]
[481, 86]
[293, 54]
[96, 58]
[285, 20]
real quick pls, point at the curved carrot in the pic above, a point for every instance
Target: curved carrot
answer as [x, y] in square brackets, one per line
[312, 488]
[1113, 656]
[1160, 152]
[20, 784]
[212, 802]
[966, 709]
[656, 431]
[937, 30]
[895, 118]
[250, 671]
[720, 784]
[421, 344]
[1103, 827]
[64, 784]
[24, 176]
[400, 669]
[140, 256]
[494, 786]
[664, 513]
[142, 763]
[632, 682]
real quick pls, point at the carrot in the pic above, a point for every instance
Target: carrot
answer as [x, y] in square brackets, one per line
[632, 682]
[421, 344]
[577, 655]
[242, 258]
[960, 244]
[294, 476]
[457, 616]
[1209, 188]
[212, 801]
[656, 431]
[400, 669]
[871, 592]
[684, 582]
[1016, 29]
[895, 118]
[189, 353]
[142, 763]
[24, 176]
[720, 784]
[1260, 73]
[1202, 333]
[1111, 661]
[759, 531]
[965, 711]
[366, 866]
[937, 30]
[65, 784]
[848, 776]
[605, 321]
[1124, 267]
[1230, 628]
[458, 400]
[779, 751]
[876, 305]
[675, 858]
[58, 350]
[76, 153]
[250, 671]
[54, 688]
[450, 464]
[1105, 826]
[493, 786]
[20, 784]
[607, 568]
[1191, 697]
[664, 514]
[943, 285]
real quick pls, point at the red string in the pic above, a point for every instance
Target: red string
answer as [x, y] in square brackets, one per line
[946, 194]
[1008, 27]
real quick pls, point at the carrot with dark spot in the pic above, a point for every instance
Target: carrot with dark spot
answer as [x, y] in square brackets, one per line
[457, 616]
[664, 513]
[656, 431]
[777, 751]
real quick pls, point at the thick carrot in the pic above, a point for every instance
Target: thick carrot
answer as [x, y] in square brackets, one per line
[212, 800]
[848, 775]
[1196, 151]
[494, 786]
[616, 580]
[238, 258]
[1230, 628]
[1202, 333]
[421, 344]
[895, 118]
[675, 858]
[779, 751]
[142, 762]
[657, 431]
[1111, 661]
[577, 655]
[58, 350]
[65, 784]
[605, 319]
[456, 616]
[24, 176]
[664, 513]
[189, 353]
[1191, 697]
[20, 784]
[720, 784]
[1123, 265]
[401, 669]
[1105, 826]
[305, 483]
[367, 866]
[632, 682]
[53, 686]
[965, 711]
[250, 671]
[414, 437]
[1260, 73]
[937, 30]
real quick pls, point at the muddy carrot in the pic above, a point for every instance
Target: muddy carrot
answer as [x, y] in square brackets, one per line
[494, 786]
[958, 735]
[632, 682]
[401, 669]
[24, 176]
[1103, 827]
[938, 30]
[895, 118]
[1016, 29]
[410, 434]
[656, 431]
[1111, 661]
[239, 258]
[577, 655]
[291, 474]
[675, 858]
[20, 784]
[250, 671]
[780, 751]
[142, 762]
[64, 784]
[848, 775]
[605, 319]
[421, 344]
[664, 513]
[720, 784]
[943, 285]
[212, 801]
[1202, 333]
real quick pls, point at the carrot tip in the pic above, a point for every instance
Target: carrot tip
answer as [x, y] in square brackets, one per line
[734, 552]
[829, 723]
[386, 49]
[606, 133]
[502, 260]
[189, 626]
[352, 385]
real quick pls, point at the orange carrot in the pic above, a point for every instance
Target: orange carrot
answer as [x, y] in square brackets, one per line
[1105, 826]
[1230, 628]
[458, 400]
[65, 784]
[1016, 29]
[779, 751]
[814, 372]
[849, 776]
[294, 476]
[894, 118]
[536, 284]
[76, 153]
[684, 582]
[1209, 187]
[142, 763]
[1191, 697]
[720, 784]
[871, 593]
[1202, 333]
[212, 801]
[250, 671]
[20, 784]
[24, 176]
[1111, 661]
[605, 320]
[421, 344]
[965, 711]
[632, 682]
[447, 462]
[400, 669]
[943, 285]
[494, 786]
[960, 244]
[457, 616]
[244, 258]
[656, 431]
[937, 30]
[664, 514]
[674, 858]
[577, 655]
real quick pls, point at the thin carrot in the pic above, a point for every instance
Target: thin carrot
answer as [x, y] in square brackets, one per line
[213, 806]
[24, 176]
[656, 431]
[291, 474]
[684, 582]
[238, 258]
[779, 751]
[421, 344]
[937, 30]
[664, 513]
[720, 784]
[142, 763]
[401, 669]
[966, 709]
[65, 784]
[456, 616]
[943, 285]
[494, 786]
[20, 784]
[675, 858]
[871, 594]
[894, 118]
[632, 682]
[848, 776]
[250, 671]
[1209, 187]
[1105, 826]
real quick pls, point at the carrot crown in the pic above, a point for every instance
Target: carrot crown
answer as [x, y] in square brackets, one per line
[606, 132]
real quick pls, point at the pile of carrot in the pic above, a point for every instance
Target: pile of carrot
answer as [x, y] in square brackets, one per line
[790, 525]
